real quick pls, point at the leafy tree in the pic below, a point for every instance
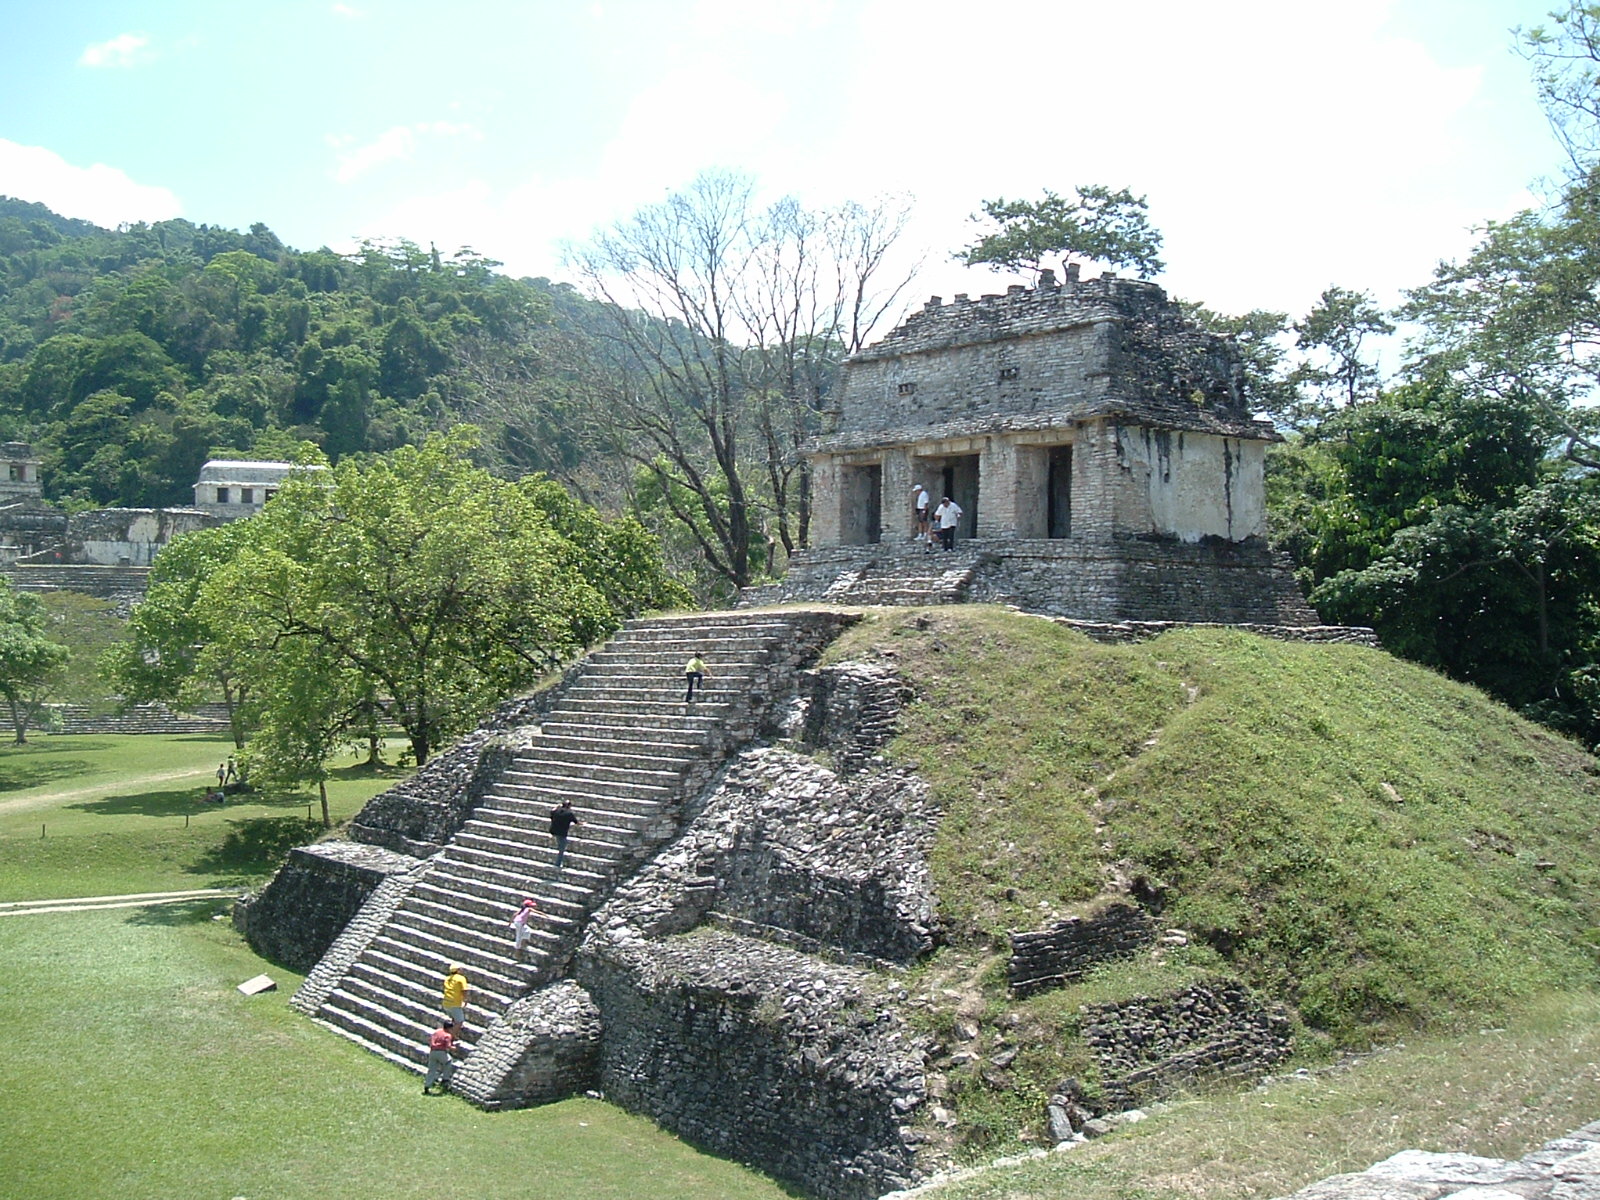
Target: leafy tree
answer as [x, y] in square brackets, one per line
[1333, 333]
[1095, 224]
[178, 650]
[1566, 68]
[28, 659]
[440, 587]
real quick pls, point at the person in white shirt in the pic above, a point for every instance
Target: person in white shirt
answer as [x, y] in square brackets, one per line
[919, 506]
[948, 516]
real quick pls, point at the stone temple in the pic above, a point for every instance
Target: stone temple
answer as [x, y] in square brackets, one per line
[1100, 444]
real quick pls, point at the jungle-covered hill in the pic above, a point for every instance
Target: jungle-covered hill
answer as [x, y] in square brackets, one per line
[1375, 845]
[129, 356]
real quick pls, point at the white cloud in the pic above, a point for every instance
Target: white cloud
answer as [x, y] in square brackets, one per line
[348, 12]
[98, 193]
[396, 143]
[124, 50]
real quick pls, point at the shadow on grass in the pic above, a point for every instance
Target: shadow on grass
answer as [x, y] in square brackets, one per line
[254, 847]
[189, 912]
[145, 804]
[19, 773]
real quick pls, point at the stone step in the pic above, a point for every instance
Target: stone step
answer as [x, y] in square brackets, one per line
[625, 798]
[397, 1040]
[592, 758]
[488, 899]
[581, 876]
[469, 934]
[687, 736]
[486, 885]
[707, 710]
[419, 966]
[643, 669]
[642, 690]
[411, 1006]
[440, 908]
[521, 825]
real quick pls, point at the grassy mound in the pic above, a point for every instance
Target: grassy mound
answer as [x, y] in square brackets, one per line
[1358, 836]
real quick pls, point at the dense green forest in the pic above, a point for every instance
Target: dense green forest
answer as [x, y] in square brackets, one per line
[128, 357]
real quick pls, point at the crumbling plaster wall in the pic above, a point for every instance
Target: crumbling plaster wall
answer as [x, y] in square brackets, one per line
[1192, 485]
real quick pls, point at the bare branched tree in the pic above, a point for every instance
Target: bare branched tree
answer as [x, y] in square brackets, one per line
[730, 321]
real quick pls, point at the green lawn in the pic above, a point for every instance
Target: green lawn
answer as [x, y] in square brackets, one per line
[110, 813]
[136, 1070]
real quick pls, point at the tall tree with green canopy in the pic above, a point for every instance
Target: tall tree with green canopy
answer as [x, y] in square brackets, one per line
[1094, 224]
[176, 651]
[440, 587]
[28, 659]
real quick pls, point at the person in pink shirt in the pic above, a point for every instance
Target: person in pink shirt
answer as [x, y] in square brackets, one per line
[441, 1063]
[519, 926]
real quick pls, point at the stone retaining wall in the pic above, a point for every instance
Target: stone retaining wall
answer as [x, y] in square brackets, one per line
[762, 1054]
[1069, 949]
[545, 1046]
[313, 898]
[1150, 1046]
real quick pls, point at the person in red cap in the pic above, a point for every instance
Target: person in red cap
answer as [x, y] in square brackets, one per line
[441, 1066]
[519, 925]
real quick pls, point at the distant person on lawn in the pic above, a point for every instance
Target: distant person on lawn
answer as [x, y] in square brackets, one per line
[222, 775]
[519, 925]
[455, 998]
[694, 672]
[441, 1064]
[562, 819]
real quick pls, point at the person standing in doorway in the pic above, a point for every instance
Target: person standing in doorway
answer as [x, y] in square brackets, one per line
[441, 1061]
[519, 926]
[562, 819]
[919, 507]
[455, 999]
[949, 516]
[694, 673]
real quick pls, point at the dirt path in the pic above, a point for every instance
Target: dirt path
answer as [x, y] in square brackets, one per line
[46, 799]
[27, 908]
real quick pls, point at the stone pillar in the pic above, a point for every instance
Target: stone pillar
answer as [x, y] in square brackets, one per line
[826, 501]
[998, 480]
[898, 521]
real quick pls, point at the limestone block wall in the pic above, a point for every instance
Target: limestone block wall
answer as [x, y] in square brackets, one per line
[1150, 1046]
[313, 899]
[1047, 958]
[762, 1054]
[545, 1046]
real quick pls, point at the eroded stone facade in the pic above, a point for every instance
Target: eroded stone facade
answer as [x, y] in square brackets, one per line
[1085, 423]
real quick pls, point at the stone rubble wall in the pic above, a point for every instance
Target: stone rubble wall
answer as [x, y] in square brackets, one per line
[545, 1046]
[1047, 958]
[1143, 631]
[850, 710]
[1128, 581]
[1567, 1168]
[313, 898]
[1150, 1046]
[762, 1054]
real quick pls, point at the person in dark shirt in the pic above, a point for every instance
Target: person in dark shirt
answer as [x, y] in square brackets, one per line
[562, 819]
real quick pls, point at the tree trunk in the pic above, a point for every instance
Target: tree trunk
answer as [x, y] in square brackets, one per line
[322, 791]
[19, 720]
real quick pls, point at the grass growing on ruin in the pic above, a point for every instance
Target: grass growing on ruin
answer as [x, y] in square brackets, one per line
[135, 1070]
[1376, 844]
[114, 813]
[1499, 1091]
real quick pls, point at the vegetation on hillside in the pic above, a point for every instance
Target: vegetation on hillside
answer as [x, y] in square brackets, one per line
[1375, 844]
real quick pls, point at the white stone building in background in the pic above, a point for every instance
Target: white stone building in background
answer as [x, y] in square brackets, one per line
[232, 488]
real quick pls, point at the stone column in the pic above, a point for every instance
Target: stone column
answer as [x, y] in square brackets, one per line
[998, 483]
[898, 521]
[825, 501]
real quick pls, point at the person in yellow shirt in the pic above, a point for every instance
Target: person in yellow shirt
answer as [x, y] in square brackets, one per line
[455, 998]
[694, 673]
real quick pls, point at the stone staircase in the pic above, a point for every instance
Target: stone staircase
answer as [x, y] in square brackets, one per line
[624, 748]
[883, 574]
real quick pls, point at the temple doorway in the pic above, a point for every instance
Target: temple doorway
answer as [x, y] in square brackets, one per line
[1058, 493]
[861, 508]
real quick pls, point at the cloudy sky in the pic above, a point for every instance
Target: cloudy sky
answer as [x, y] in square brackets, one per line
[1284, 145]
